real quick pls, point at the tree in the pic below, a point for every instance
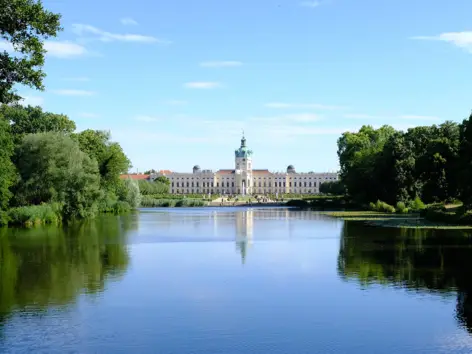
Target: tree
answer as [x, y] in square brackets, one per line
[163, 179]
[24, 24]
[333, 187]
[131, 193]
[7, 169]
[465, 162]
[112, 161]
[52, 168]
[359, 155]
[32, 120]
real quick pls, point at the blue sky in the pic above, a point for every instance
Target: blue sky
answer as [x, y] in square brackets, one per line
[176, 81]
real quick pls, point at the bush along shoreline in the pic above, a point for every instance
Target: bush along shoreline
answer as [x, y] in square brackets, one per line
[51, 174]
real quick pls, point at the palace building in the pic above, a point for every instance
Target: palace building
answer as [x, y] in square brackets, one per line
[243, 179]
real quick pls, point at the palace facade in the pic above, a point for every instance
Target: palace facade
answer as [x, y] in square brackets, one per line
[243, 179]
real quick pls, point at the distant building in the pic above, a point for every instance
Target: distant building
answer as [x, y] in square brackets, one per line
[244, 179]
[136, 176]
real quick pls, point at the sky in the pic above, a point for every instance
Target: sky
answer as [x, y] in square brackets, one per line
[176, 82]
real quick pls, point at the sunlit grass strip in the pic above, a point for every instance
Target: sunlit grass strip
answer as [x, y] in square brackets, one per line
[363, 214]
[406, 221]
[414, 224]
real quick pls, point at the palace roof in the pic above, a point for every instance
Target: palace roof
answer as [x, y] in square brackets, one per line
[135, 176]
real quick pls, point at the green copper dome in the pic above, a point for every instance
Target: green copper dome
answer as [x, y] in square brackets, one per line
[243, 151]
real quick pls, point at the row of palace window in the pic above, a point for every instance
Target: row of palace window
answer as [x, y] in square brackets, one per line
[265, 184]
[218, 191]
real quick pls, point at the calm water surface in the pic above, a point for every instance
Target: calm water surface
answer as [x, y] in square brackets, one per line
[234, 281]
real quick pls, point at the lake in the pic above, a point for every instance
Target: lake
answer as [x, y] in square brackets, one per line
[234, 280]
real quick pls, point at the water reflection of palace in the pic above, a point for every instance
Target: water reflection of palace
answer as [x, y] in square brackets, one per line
[428, 261]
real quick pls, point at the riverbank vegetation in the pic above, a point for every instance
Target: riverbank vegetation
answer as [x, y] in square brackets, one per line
[422, 170]
[50, 173]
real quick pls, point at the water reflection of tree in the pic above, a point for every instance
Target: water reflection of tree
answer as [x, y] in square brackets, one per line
[422, 260]
[52, 266]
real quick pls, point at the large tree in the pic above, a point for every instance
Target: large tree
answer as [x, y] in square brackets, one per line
[111, 159]
[465, 162]
[359, 155]
[32, 120]
[24, 24]
[7, 170]
[52, 168]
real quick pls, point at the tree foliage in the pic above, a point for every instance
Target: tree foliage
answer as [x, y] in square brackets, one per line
[130, 193]
[52, 168]
[24, 24]
[395, 166]
[109, 155]
[7, 169]
[32, 120]
[465, 162]
[333, 187]
[163, 179]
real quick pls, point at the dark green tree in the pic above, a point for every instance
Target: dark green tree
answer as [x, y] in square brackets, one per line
[333, 187]
[112, 161]
[7, 169]
[52, 168]
[359, 154]
[163, 179]
[465, 162]
[24, 24]
[32, 120]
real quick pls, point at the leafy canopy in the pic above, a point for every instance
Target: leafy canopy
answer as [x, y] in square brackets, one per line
[52, 168]
[24, 24]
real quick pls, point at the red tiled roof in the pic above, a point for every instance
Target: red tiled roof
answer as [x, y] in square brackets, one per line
[260, 171]
[225, 172]
[165, 172]
[134, 176]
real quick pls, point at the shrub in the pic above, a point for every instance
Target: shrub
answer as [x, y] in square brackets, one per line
[416, 205]
[381, 207]
[35, 215]
[149, 188]
[299, 203]
[149, 202]
[131, 193]
[190, 203]
[121, 207]
[401, 208]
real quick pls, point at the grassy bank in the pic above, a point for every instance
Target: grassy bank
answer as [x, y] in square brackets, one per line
[379, 219]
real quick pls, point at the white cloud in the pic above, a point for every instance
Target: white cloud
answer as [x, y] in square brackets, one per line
[147, 119]
[71, 92]
[64, 49]
[459, 39]
[32, 101]
[58, 49]
[104, 36]
[80, 79]
[127, 21]
[88, 115]
[202, 85]
[310, 4]
[283, 105]
[220, 64]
